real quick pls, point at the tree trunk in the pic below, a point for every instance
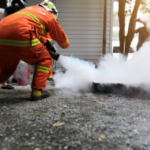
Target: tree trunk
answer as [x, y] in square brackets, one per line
[121, 15]
[131, 28]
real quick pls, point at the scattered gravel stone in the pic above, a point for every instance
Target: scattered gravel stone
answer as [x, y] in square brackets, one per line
[33, 138]
[26, 134]
[36, 149]
[115, 122]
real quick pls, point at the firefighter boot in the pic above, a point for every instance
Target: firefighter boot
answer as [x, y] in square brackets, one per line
[39, 94]
[50, 78]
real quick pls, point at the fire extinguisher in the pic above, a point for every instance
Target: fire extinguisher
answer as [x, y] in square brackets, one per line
[22, 73]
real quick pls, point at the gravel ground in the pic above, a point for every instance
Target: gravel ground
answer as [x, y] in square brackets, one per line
[88, 121]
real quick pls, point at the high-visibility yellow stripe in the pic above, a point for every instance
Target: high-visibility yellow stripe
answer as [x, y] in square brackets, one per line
[64, 43]
[43, 69]
[49, 4]
[34, 18]
[19, 43]
[49, 39]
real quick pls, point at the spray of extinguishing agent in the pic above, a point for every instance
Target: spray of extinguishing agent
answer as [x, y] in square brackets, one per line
[81, 74]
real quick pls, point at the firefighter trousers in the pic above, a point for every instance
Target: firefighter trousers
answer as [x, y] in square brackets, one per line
[34, 55]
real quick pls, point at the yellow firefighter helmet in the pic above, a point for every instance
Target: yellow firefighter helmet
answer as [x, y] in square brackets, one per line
[49, 6]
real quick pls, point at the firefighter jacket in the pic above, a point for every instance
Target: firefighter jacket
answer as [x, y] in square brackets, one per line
[30, 27]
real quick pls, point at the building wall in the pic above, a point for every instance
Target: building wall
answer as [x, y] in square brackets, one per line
[82, 21]
[109, 26]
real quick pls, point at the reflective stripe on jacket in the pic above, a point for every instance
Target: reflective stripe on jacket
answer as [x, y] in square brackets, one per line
[35, 19]
[19, 43]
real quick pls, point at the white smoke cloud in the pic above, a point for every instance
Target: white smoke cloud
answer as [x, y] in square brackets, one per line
[133, 71]
[80, 74]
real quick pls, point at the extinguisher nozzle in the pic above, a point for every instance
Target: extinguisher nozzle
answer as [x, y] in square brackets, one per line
[54, 55]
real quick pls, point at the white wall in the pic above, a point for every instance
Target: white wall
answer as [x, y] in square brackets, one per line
[109, 24]
[82, 21]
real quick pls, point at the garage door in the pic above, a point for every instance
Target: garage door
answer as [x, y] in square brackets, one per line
[82, 21]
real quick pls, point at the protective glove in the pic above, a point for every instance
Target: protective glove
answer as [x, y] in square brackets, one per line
[52, 51]
[54, 55]
[50, 46]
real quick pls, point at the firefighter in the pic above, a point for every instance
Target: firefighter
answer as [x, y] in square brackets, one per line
[50, 76]
[15, 5]
[25, 40]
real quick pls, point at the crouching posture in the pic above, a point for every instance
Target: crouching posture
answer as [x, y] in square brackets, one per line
[23, 37]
